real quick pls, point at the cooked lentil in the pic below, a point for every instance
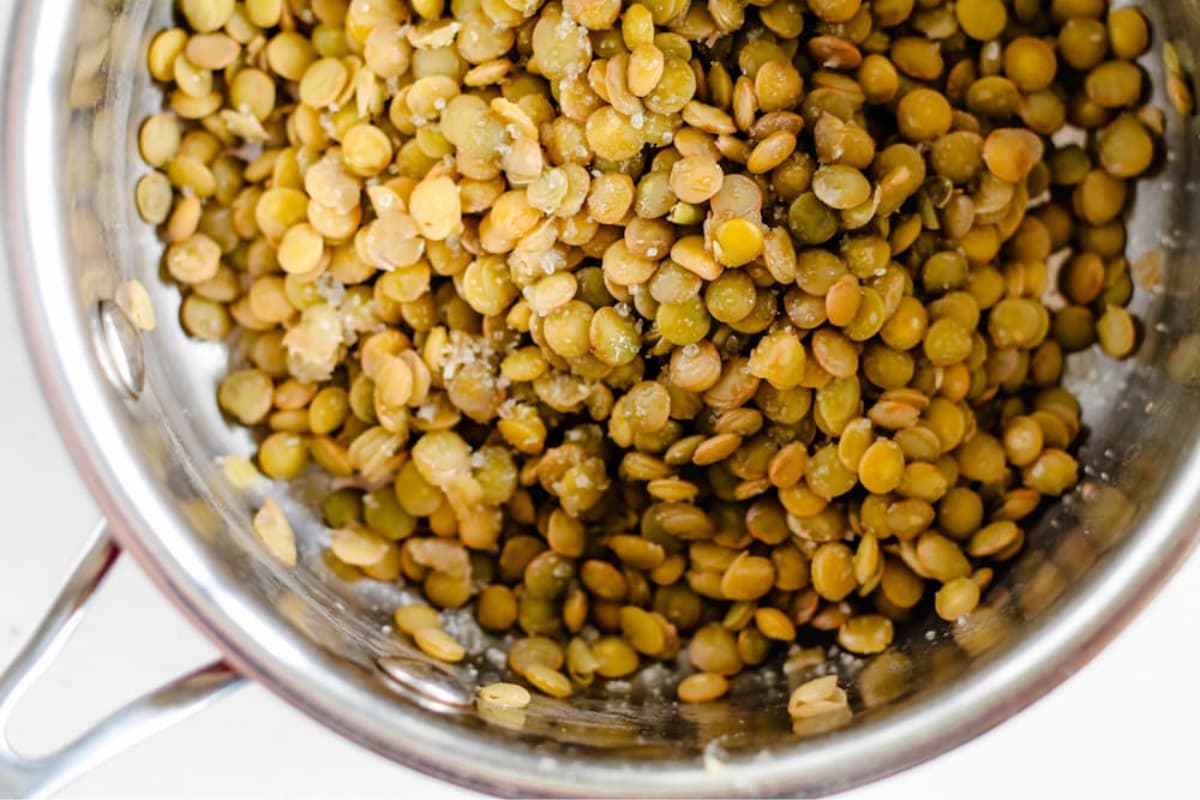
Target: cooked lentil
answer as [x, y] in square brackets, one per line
[702, 687]
[734, 338]
[506, 695]
[438, 644]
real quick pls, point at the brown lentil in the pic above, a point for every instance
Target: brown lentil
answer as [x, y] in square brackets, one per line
[711, 338]
[505, 695]
[956, 599]
[438, 644]
[702, 687]
[1116, 332]
[866, 635]
[548, 681]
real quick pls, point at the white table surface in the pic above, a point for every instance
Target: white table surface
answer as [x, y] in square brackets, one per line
[1123, 727]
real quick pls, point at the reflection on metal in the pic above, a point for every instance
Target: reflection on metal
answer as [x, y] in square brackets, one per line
[119, 348]
[429, 685]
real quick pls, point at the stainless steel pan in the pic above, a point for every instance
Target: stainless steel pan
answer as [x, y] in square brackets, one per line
[138, 413]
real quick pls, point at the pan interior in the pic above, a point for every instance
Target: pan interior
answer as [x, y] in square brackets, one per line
[1139, 415]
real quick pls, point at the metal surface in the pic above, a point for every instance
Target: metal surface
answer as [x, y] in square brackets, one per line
[73, 96]
[119, 348]
[24, 776]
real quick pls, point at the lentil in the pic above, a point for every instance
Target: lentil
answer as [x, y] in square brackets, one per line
[548, 681]
[505, 695]
[275, 532]
[710, 338]
[436, 643]
[702, 687]
[956, 599]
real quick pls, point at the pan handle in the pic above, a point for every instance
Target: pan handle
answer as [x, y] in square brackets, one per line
[35, 776]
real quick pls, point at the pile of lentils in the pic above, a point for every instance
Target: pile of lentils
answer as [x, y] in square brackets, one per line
[645, 327]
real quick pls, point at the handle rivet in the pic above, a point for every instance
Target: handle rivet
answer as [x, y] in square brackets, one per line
[119, 346]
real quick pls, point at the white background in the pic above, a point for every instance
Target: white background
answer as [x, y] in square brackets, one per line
[1124, 727]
